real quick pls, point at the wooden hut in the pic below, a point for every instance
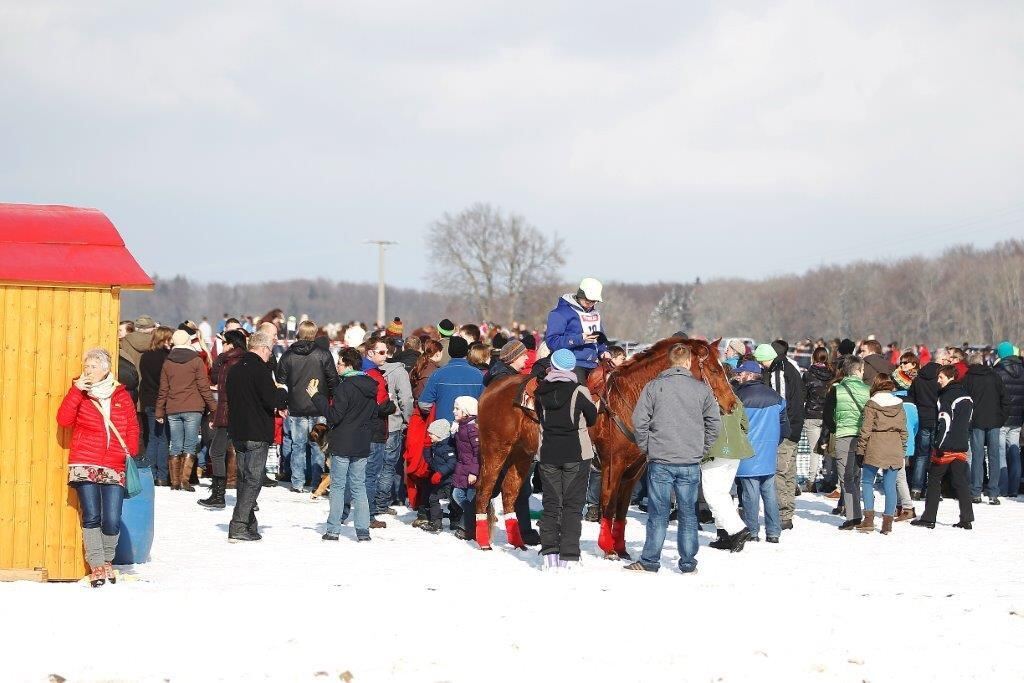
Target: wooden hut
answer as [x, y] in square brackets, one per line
[61, 273]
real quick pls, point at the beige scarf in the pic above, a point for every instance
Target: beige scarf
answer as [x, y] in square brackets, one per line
[101, 392]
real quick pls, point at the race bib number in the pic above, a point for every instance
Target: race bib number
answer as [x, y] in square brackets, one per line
[591, 322]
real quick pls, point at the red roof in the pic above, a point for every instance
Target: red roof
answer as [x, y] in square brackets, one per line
[65, 245]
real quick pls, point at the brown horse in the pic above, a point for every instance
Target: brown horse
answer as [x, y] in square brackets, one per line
[509, 435]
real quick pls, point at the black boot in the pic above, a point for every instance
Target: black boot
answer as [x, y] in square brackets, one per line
[216, 499]
[593, 513]
[723, 542]
[739, 539]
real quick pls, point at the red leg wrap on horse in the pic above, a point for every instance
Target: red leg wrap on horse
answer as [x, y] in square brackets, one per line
[619, 535]
[604, 540]
[483, 533]
[512, 530]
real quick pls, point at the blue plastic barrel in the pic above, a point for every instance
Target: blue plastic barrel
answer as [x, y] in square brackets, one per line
[137, 524]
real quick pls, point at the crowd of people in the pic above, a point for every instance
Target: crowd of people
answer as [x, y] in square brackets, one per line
[378, 420]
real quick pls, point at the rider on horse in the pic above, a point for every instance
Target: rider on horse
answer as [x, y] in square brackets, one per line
[575, 324]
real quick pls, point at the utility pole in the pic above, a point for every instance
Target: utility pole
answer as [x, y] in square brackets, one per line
[381, 246]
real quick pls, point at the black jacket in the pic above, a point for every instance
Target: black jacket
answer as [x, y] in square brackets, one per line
[128, 376]
[1011, 371]
[442, 459]
[150, 365]
[784, 378]
[989, 396]
[305, 360]
[253, 397]
[560, 410]
[497, 369]
[924, 393]
[816, 381]
[953, 427]
[351, 416]
[408, 358]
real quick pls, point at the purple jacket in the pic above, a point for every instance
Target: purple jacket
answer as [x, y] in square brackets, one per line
[467, 449]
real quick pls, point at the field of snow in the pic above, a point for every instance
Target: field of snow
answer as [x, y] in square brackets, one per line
[918, 605]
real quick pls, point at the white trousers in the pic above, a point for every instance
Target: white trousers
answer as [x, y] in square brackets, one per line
[717, 477]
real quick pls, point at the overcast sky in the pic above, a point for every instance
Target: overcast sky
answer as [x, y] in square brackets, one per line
[664, 140]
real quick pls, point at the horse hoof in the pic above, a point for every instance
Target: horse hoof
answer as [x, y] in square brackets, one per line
[485, 547]
[520, 547]
[623, 555]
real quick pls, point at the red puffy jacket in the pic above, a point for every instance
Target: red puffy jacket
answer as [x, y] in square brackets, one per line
[89, 445]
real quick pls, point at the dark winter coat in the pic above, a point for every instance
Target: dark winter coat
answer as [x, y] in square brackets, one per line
[351, 415]
[442, 459]
[924, 393]
[419, 381]
[816, 381]
[467, 449]
[150, 365]
[565, 412]
[497, 369]
[385, 406]
[305, 360]
[90, 444]
[874, 364]
[1011, 371]
[253, 397]
[883, 432]
[784, 378]
[991, 404]
[408, 358]
[128, 375]
[184, 385]
[953, 426]
[221, 367]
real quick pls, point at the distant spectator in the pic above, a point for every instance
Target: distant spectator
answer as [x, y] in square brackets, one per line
[1010, 369]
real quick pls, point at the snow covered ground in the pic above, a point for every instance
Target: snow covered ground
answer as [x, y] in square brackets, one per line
[918, 605]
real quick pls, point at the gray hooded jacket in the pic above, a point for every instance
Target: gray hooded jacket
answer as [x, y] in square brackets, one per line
[676, 419]
[400, 391]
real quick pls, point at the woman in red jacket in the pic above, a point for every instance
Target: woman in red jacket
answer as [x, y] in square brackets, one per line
[104, 431]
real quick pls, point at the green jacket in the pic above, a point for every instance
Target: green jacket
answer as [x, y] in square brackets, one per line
[732, 442]
[850, 409]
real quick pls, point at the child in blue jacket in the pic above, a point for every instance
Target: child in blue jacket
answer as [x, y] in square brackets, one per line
[441, 459]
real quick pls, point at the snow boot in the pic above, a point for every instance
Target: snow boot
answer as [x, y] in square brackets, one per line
[867, 525]
[963, 525]
[174, 471]
[905, 514]
[921, 522]
[723, 542]
[850, 524]
[886, 524]
[185, 475]
[739, 539]
[231, 465]
[530, 535]
[216, 499]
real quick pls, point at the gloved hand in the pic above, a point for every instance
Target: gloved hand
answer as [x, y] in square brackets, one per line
[435, 478]
[602, 338]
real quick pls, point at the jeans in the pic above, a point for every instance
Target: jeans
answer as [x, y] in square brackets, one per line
[284, 469]
[374, 465]
[348, 475]
[386, 478]
[867, 485]
[922, 456]
[251, 464]
[662, 480]
[184, 431]
[1009, 476]
[754, 490]
[985, 442]
[156, 446]
[464, 499]
[594, 487]
[299, 427]
[100, 506]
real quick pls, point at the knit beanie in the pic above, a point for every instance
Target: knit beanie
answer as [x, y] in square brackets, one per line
[764, 353]
[511, 350]
[1004, 350]
[738, 346]
[458, 347]
[846, 347]
[440, 429]
[446, 328]
[563, 359]
[181, 338]
[466, 404]
[529, 341]
[396, 328]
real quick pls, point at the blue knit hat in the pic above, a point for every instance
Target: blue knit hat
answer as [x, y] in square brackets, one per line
[1004, 350]
[563, 359]
[749, 366]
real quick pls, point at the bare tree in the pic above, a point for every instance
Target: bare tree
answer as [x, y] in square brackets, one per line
[492, 258]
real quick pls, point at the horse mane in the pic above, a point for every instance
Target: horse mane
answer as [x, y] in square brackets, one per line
[631, 377]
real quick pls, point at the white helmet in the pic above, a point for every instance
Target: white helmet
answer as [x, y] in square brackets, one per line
[591, 289]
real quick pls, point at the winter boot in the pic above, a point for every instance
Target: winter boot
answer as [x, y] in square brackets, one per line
[185, 474]
[231, 465]
[216, 499]
[905, 514]
[174, 471]
[723, 542]
[851, 524]
[868, 524]
[739, 539]
[886, 524]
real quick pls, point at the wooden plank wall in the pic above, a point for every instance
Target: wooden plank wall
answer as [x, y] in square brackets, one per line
[44, 331]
